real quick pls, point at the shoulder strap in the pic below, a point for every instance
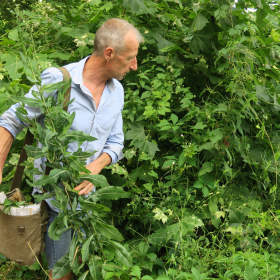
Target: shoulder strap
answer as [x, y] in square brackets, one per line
[29, 138]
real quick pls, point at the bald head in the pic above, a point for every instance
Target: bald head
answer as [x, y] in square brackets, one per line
[112, 34]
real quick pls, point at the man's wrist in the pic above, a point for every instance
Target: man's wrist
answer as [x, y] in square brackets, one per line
[97, 165]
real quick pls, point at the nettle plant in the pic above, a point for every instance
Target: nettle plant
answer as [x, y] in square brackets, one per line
[97, 238]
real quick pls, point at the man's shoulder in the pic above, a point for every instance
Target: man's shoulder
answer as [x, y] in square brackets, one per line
[71, 67]
[56, 73]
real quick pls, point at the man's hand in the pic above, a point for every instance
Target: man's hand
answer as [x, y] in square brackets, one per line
[85, 187]
[6, 140]
[94, 167]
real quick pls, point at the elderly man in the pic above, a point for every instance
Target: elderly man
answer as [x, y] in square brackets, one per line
[98, 104]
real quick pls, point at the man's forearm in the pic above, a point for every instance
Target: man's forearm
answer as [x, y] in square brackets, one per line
[6, 140]
[97, 165]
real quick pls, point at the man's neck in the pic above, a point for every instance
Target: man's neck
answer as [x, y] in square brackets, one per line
[94, 72]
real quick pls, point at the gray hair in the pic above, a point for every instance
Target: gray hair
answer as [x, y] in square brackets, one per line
[112, 33]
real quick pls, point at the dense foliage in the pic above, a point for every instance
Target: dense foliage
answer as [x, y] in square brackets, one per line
[199, 181]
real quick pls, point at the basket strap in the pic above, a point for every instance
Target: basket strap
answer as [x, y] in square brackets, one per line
[66, 77]
[29, 138]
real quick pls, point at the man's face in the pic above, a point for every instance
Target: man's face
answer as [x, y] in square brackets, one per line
[126, 60]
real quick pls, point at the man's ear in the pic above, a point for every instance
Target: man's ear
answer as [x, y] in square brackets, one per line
[109, 53]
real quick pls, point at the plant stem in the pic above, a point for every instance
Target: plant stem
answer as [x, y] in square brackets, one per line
[97, 239]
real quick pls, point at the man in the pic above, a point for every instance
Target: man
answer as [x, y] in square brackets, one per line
[98, 103]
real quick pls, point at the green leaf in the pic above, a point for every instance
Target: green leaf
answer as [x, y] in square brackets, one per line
[108, 231]
[262, 94]
[206, 168]
[12, 65]
[190, 223]
[273, 74]
[149, 187]
[40, 197]
[74, 163]
[108, 6]
[55, 228]
[62, 267]
[32, 102]
[91, 206]
[261, 14]
[76, 135]
[111, 193]
[94, 270]
[181, 160]
[251, 273]
[13, 35]
[198, 184]
[162, 43]
[95, 2]
[143, 247]
[120, 252]
[199, 125]
[52, 87]
[74, 204]
[22, 111]
[200, 40]
[151, 256]
[213, 208]
[82, 155]
[52, 178]
[137, 131]
[22, 117]
[84, 275]
[142, 173]
[198, 44]
[222, 107]
[199, 22]
[197, 275]
[56, 204]
[206, 146]
[205, 191]
[60, 55]
[34, 152]
[275, 35]
[135, 271]
[99, 181]
[138, 7]
[146, 147]
[174, 119]
[86, 249]
[147, 277]
[73, 255]
[168, 163]
[163, 277]
[216, 135]
[74, 32]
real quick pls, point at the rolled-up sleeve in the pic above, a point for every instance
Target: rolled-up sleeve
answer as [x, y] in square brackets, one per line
[114, 143]
[10, 121]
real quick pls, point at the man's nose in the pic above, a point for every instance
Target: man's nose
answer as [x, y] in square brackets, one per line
[133, 65]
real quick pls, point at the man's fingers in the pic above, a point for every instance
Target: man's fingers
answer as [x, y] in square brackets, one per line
[85, 187]
[82, 185]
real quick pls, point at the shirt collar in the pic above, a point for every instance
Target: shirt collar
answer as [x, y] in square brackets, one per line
[78, 75]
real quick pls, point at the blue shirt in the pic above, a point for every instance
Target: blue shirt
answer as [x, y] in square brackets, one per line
[104, 123]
